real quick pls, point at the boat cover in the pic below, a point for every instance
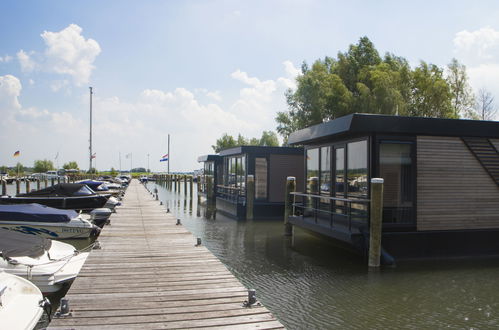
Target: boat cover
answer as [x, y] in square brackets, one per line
[95, 185]
[58, 190]
[15, 244]
[35, 213]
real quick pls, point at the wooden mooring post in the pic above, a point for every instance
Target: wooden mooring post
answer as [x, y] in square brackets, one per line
[38, 184]
[185, 185]
[288, 204]
[376, 219]
[18, 186]
[191, 186]
[27, 185]
[4, 187]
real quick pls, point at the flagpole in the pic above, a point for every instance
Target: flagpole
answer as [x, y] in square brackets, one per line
[90, 168]
[168, 161]
[120, 160]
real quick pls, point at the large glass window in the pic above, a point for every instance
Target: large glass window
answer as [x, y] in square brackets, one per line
[241, 172]
[396, 169]
[260, 178]
[325, 171]
[312, 170]
[357, 169]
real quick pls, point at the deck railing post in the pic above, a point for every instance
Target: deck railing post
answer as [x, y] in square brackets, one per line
[288, 204]
[314, 189]
[375, 222]
[18, 186]
[4, 187]
[250, 196]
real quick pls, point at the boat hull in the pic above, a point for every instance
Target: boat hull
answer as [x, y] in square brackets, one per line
[84, 203]
[76, 229]
[21, 303]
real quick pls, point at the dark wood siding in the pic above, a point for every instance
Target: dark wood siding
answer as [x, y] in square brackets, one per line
[454, 190]
[282, 166]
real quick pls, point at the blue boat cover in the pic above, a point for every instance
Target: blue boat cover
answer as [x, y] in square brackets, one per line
[35, 213]
[95, 185]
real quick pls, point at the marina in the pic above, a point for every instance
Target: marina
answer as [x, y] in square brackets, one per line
[149, 273]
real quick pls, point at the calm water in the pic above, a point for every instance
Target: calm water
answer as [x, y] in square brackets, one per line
[312, 284]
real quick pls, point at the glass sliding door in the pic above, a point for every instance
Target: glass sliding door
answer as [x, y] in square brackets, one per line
[396, 167]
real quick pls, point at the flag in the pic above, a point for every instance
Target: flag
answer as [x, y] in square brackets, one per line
[56, 156]
[164, 158]
[127, 155]
[17, 153]
[93, 156]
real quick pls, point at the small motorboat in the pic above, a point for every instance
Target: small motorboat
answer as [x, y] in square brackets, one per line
[44, 221]
[72, 196]
[21, 303]
[46, 263]
[102, 187]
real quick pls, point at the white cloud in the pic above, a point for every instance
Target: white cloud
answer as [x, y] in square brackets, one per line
[10, 90]
[214, 95]
[477, 46]
[31, 82]
[59, 84]
[68, 52]
[5, 59]
[27, 64]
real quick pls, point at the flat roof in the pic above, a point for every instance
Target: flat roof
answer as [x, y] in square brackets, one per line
[208, 158]
[262, 150]
[361, 123]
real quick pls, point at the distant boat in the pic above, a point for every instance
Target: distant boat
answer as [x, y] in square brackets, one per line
[72, 196]
[44, 221]
[21, 303]
[46, 263]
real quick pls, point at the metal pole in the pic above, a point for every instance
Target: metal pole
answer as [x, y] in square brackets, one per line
[168, 161]
[90, 148]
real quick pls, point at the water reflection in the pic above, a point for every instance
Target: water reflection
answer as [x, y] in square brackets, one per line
[313, 284]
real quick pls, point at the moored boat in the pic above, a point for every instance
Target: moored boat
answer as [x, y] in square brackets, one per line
[44, 221]
[21, 303]
[46, 263]
[71, 196]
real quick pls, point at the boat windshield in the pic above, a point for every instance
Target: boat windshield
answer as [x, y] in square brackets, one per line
[83, 191]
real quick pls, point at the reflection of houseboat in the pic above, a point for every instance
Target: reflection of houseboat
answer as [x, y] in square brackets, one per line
[208, 179]
[270, 166]
[441, 183]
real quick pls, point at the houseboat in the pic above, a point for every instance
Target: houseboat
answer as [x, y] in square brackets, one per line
[441, 184]
[209, 177]
[269, 167]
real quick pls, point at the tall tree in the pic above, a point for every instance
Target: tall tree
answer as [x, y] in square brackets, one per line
[463, 99]
[42, 166]
[269, 139]
[70, 165]
[431, 94]
[484, 107]
[226, 141]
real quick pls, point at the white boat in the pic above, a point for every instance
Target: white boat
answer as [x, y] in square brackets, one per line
[46, 263]
[21, 303]
[46, 221]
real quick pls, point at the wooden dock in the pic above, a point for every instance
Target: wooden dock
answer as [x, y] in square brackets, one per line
[150, 275]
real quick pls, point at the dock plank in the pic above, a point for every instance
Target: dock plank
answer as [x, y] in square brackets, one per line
[150, 275]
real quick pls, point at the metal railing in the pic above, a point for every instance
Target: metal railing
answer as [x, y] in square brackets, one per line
[338, 211]
[232, 194]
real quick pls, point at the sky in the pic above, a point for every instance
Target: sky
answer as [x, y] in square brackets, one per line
[197, 69]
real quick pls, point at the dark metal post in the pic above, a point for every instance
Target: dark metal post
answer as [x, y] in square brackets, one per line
[375, 222]
[288, 204]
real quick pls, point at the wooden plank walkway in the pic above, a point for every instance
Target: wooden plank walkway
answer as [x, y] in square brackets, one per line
[150, 275]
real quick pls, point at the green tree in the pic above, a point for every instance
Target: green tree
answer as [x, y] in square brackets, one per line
[4, 169]
[42, 166]
[225, 142]
[463, 98]
[432, 96]
[19, 169]
[93, 170]
[484, 108]
[113, 172]
[71, 165]
[269, 139]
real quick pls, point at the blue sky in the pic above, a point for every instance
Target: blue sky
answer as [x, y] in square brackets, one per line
[197, 69]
